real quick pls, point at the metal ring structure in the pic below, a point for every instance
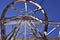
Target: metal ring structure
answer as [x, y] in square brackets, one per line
[3, 34]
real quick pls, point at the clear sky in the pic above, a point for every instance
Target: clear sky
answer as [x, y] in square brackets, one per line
[52, 8]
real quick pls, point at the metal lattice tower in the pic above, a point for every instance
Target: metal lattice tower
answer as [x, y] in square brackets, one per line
[19, 20]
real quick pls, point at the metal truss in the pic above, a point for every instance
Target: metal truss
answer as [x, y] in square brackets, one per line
[20, 20]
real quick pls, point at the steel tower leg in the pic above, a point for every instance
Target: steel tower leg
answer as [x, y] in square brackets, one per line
[3, 33]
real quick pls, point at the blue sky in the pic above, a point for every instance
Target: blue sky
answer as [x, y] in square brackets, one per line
[52, 8]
